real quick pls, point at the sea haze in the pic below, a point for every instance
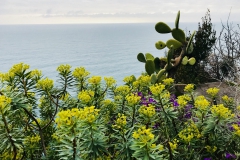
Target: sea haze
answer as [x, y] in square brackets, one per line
[103, 49]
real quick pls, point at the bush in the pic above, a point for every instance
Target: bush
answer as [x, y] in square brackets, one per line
[83, 117]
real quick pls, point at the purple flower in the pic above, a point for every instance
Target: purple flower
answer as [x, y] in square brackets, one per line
[230, 128]
[156, 126]
[188, 115]
[230, 156]
[207, 158]
[149, 101]
[141, 95]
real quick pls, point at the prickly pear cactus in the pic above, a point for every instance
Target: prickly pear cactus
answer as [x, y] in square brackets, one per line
[178, 53]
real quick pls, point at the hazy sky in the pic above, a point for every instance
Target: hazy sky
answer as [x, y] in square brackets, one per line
[114, 11]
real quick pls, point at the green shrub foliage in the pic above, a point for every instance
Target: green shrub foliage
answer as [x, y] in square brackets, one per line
[89, 117]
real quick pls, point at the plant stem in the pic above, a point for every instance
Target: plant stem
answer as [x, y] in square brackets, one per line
[10, 137]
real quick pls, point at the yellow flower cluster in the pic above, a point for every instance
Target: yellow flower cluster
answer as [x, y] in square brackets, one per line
[211, 149]
[35, 73]
[4, 101]
[80, 73]
[133, 99]
[168, 81]
[67, 117]
[121, 121]
[136, 84]
[161, 147]
[183, 100]
[148, 111]
[157, 89]
[122, 90]
[45, 84]
[144, 80]
[94, 80]
[70, 117]
[221, 111]
[9, 155]
[6, 76]
[64, 97]
[189, 133]
[110, 81]
[189, 88]
[236, 129]
[64, 69]
[129, 79]
[86, 96]
[166, 95]
[227, 100]
[107, 102]
[173, 145]
[32, 139]
[38, 120]
[19, 68]
[89, 114]
[212, 92]
[201, 103]
[143, 135]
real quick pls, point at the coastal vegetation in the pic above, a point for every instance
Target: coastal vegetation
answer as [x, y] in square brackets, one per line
[82, 116]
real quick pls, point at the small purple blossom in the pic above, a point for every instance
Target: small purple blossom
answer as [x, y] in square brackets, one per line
[230, 156]
[147, 102]
[174, 100]
[156, 125]
[188, 115]
[207, 158]
[230, 128]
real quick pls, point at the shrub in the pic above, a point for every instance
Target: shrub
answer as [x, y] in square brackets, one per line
[83, 117]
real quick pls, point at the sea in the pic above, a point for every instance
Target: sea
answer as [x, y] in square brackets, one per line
[103, 49]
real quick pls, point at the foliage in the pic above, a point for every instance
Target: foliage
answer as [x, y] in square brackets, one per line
[179, 52]
[204, 41]
[224, 62]
[86, 117]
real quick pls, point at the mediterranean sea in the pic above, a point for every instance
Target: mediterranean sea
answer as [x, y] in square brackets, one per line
[103, 49]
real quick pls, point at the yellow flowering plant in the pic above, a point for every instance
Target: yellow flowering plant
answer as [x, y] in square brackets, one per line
[80, 116]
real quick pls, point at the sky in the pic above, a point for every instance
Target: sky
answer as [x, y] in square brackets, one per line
[114, 11]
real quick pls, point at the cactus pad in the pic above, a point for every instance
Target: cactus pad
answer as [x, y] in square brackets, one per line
[179, 35]
[162, 27]
[149, 56]
[190, 49]
[172, 42]
[185, 60]
[141, 57]
[177, 20]
[160, 74]
[153, 78]
[160, 45]
[157, 63]
[192, 61]
[149, 67]
[190, 41]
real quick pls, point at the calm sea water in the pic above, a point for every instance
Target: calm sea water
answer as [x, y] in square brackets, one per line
[103, 49]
